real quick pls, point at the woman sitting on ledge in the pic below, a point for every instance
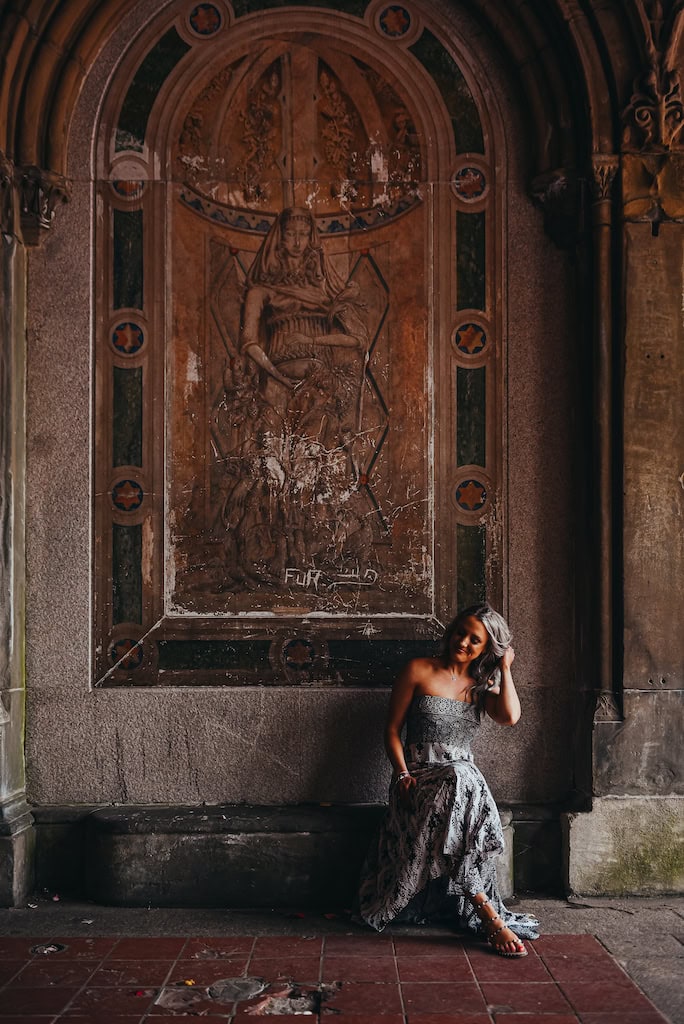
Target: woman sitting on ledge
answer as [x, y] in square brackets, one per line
[442, 828]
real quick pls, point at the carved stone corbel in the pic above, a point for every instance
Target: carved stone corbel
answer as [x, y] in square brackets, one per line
[39, 193]
[559, 196]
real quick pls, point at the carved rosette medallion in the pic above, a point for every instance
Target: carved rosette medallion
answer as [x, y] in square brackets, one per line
[302, 657]
[470, 338]
[397, 23]
[127, 495]
[128, 189]
[471, 495]
[128, 338]
[205, 20]
[126, 653]
[469, 184]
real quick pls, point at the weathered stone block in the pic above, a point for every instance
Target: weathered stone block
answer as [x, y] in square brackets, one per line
[236, 857]
[642, 755]
[626, 846]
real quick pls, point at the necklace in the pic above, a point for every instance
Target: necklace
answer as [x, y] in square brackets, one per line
[454, 679]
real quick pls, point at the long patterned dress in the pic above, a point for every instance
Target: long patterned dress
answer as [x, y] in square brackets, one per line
[427, 858]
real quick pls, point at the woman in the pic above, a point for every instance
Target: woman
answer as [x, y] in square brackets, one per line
[442, 831]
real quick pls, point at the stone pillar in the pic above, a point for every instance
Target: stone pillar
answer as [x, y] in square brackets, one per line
[632, 841]
[16, 821]
[604, 169]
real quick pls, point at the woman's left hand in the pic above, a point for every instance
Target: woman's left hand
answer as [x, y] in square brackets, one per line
[508, 657]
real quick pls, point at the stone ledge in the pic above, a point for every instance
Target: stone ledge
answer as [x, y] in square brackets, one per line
[213, 856]
[234, 856]
[626, 845]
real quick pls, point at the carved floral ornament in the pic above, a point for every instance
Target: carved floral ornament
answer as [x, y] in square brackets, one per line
[654, 116]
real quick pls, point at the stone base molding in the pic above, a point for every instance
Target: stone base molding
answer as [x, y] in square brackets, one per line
[17, 842]
[626, 845]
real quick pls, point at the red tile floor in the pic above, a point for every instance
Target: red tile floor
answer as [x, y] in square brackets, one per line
[383, 979]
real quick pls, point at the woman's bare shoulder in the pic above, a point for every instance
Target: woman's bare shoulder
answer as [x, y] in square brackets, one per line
[422, 668]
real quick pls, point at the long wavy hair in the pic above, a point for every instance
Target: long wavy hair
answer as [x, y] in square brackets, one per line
[485, 670]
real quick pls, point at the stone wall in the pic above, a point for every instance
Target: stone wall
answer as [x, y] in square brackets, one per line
[288, 744]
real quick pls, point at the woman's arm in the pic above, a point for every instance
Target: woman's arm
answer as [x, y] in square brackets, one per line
[402, 695]
[400, 701]
[504, 705]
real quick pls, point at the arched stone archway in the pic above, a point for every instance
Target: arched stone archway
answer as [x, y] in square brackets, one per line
[373, 493]
[553, 85]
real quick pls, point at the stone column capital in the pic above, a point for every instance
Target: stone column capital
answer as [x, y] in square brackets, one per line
[39, 193]
[604, 168]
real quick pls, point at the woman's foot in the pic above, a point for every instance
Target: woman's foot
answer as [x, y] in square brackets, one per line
[504, 941]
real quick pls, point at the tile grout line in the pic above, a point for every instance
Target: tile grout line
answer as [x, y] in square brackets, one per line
[250, 957]
[399, 985]
[170, 971]
[98, 963]
[477, 982]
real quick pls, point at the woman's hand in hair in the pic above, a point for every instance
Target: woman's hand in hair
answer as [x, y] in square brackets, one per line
[507, 658]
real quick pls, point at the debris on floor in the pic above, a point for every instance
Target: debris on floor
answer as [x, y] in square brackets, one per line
[44, 949]
[184, 999]
[294, 999]
[235, 990]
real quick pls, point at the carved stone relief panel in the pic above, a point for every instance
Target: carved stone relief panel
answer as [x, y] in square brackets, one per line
[303, 401]
[295, 492]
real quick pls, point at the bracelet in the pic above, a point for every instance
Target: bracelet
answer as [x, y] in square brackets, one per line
[403, 775]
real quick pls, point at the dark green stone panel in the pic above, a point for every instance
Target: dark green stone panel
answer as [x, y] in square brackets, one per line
[187, 655]
[471, 553]
[470, 416]
[356, 7]
[126, 573]
[128, 259]
[143, 90]
[470, 260]
[127, 417]
[374, 662]
[457, 97]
